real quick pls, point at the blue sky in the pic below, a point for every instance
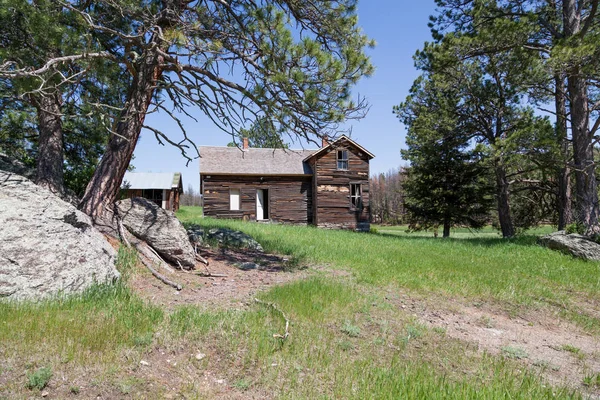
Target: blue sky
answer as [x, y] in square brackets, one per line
[398, 26]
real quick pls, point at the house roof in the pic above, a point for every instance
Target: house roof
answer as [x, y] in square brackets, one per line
[253, 161]
[332, 144]
[151, 180]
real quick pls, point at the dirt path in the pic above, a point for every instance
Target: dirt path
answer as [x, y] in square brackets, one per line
[246, 273]
[558, 350]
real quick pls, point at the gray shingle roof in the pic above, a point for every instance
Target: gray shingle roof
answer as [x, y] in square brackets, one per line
[151, 180]
[253, 161]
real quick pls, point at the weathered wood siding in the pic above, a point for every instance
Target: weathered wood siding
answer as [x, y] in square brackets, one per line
[332, 189]
[289, 198]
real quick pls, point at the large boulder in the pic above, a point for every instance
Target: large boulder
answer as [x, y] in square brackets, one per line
[576, 245]
[47, 246]
[159, 228]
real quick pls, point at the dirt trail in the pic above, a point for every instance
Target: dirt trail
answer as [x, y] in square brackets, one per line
[560, 351]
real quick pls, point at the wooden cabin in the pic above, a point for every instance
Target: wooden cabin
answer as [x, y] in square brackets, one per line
[163, 188]
[327, 187]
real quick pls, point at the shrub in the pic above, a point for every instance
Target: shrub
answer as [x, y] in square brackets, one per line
[39, 379]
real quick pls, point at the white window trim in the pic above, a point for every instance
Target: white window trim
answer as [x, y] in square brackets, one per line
[235, 198]
[356, 199]
[338, 160]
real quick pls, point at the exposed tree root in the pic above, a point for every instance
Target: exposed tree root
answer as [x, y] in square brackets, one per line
[148, 256]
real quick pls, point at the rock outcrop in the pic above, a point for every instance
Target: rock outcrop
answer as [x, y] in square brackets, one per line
[223, 236]
[47, 246]
[159, 228]
[576, 245]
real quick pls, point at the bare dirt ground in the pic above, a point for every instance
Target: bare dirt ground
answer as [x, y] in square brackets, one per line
[235, 289]
[558, 350]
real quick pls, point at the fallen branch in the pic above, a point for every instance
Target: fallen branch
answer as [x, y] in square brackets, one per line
[287, 321]
[201, 259]
[210, 275]
[198, 256]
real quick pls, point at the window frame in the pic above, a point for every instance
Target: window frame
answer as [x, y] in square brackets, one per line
[343, 159]
[239, 199]
[358, 203]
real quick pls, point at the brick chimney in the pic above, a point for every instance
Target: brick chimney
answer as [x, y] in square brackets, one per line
[245, 143]
[324, 141]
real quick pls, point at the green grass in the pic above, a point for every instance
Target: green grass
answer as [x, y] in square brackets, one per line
[346, 339]
[512, 273]
[98, 323]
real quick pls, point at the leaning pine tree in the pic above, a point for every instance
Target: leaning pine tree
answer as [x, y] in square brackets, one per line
[236, 62]
[294, 62]
[445, 184]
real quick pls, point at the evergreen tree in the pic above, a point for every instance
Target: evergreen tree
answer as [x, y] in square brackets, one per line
[262, 134]
[445, 184]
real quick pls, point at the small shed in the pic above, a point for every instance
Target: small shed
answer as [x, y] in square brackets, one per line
[163, 188]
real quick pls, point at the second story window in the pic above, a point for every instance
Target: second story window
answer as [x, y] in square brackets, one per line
[342, 159]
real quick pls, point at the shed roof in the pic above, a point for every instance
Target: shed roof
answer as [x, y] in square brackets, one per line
[253, 161]
[151, 180]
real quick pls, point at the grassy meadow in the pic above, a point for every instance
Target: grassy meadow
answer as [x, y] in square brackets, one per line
[347, 339]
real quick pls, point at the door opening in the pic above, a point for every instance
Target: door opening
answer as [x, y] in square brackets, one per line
[262, 204]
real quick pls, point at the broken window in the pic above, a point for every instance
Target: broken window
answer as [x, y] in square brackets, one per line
[342, 159]
[234, 199]
[355, 196]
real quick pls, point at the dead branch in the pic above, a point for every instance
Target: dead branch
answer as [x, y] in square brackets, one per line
[287, 321]
[210, 275]
[158, 276]
[122, 232]
[163, 263]
[201, 259]
[149, 257]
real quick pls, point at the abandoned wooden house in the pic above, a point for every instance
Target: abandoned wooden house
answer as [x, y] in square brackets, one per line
[327, 187]
[163, 188]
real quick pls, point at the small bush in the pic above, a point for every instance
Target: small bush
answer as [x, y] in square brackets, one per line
[350, 330]
[514, 352]
[39, 379]
[575, 227]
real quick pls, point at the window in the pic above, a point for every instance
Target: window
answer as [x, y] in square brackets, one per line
[355, 196]
[342, 159]
[234, 199]
[154, 195]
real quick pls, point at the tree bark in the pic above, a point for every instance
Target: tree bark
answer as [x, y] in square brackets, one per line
[50, 155]
[103, 188]
[565, 213]
[446, 228]
[502, 196]
[585, 175]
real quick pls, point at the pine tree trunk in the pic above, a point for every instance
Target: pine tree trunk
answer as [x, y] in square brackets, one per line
[103, 188]
[585, 176]
[565, 213]
[50, 145]
[502, 196]
[446, 228]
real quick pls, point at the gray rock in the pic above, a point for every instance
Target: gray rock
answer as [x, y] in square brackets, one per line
[576, 245]
[196, 234]
[47, 246]
[231, 238]
[160, 228]
[246, 266]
